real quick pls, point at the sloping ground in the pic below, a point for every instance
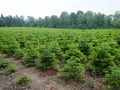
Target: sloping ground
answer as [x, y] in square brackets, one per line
[48, 80]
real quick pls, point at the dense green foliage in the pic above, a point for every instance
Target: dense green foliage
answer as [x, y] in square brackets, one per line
[1, 56]
[82, 20]
[71, 52]
[102, 61]
[6, 67]
[113, 79]
[23, 80]
[47, 59]
[72, 68]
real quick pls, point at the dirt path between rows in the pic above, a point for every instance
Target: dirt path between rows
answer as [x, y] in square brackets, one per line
[49, 80]
[39, 82]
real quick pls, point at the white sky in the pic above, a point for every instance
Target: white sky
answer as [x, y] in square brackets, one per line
[42, 8]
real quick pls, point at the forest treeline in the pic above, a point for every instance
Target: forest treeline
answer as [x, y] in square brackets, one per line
[80, 19]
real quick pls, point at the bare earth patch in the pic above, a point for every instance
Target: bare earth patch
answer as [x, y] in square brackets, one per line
[47, 80]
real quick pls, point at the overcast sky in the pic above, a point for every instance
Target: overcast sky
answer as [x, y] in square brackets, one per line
[41, 8]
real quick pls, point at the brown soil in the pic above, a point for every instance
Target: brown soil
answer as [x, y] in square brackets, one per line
[47, 80]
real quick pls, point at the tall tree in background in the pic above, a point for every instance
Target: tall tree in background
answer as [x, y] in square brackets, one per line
[72, 20]
[18, 21]
[54, 21]
[89, 19]
[64, 20]
[99, 20]
[40, 22]
[81, 21]
[116, 19]
[30, 22]
[2, 21]
[107, 22]
[47, 21]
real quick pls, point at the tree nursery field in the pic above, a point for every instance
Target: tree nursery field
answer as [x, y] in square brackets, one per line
[74, 54]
